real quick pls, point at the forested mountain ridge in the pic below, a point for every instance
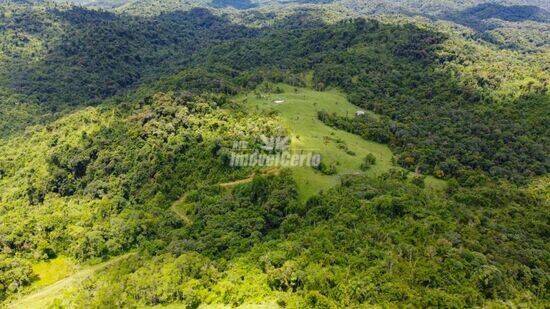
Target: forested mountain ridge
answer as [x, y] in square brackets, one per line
[103, 54]
[431, 6]
[508, 13]
[56, 57]
[60, 37]
[118, 125]
[518, 25]
[90, 55]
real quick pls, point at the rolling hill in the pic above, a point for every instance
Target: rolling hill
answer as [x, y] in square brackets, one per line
[121, 122]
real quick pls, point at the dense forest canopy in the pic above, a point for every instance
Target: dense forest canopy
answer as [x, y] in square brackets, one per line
[118, 120]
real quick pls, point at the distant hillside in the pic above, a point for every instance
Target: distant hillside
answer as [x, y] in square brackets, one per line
[425, 7]
[476, 16]
[98, 3]
[238, 4]
[508, 13]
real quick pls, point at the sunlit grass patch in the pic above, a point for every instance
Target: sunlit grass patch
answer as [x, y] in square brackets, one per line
[53, 270]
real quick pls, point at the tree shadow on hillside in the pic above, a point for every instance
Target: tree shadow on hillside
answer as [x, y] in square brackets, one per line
[98, 54]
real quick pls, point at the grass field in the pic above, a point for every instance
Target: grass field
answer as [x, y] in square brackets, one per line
[297, 109]
[53, 286]
[53, 270]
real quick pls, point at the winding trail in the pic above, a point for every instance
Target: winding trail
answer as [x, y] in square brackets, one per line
[270, 171]
[226, 185]
[179, 213]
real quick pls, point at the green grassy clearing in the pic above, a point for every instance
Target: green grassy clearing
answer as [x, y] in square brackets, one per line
[53, 270]
[298, 113]
[53, 286]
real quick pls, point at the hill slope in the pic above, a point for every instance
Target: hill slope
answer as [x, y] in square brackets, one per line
[119, 128]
